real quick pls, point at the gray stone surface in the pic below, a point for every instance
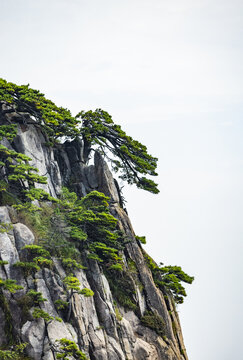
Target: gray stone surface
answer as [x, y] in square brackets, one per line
[31, 142]
[8, 253]
[23, 236]
[33, 333]
[4, 215]
[105, 179]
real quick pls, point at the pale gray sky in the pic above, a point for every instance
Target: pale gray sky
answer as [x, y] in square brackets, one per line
[170, 72]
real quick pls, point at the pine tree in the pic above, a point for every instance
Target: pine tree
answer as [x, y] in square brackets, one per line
[128, 156]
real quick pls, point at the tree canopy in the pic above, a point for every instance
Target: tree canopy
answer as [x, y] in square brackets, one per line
[171, 278]
[168, 278]
[55, 121]
[128, 156]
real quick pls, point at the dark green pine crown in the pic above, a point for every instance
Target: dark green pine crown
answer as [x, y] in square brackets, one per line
[128, 156]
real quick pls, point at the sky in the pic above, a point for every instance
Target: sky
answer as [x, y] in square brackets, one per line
[170, 73]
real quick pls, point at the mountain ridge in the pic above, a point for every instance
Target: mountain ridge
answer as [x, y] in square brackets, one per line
[100, 326]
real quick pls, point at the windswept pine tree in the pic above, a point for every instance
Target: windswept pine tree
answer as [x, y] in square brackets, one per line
[128, 156]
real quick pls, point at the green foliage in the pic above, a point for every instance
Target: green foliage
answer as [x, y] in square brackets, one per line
[3, 262]
[127, 155]
[43, 262]
[95, 257]
[22, 178]
[35, 262]
[132, 267]
[72, 283]
[58, 319]
[96, 202]
[118, 314]
[122, 288]
[39, 194]
[28, 172]
[169, 278]
[28, 267]
[150, 262]
[71, 264]
[5, 227]
[86, 292]
[69, 349]
[141, 239]
[35, 250]
[9, 285]
[108, 255]
[8, 131]
[61, 304]
[55, 121]
[154, 322]
[38, 222]
[39, 313]
[116, 267]
[19, 174]
[16, 353]
[51, 230]
[27, 301]
[89, 219]
[67, 198]
[131, 157]
[52, 233]
[8, 355]
[20, 347]
[36, 296]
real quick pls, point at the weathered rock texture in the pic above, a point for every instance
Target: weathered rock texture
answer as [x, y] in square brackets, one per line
[94, 324]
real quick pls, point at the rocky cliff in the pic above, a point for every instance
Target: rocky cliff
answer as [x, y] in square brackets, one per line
[102, 326]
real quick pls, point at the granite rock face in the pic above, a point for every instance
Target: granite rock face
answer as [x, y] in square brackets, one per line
[99, 325]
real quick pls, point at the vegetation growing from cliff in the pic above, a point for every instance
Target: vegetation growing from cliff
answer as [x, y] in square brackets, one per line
[96, 128]
[32, 105]
[19, 175]
[16, 353]
[127, 155]
[123, 289]
[73, 229]
[37, 257]
[169, 278]
[71, 226]
[154, 322]
[68, 348]
[9, 285]
[89, 220]
[39, 313]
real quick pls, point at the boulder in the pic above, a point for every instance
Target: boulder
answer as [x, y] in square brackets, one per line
[33, 333]
[23, 236]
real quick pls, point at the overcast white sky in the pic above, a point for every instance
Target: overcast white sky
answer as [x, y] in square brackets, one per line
[170, 72]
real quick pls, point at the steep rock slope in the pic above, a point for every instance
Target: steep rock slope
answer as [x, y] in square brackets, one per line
[102, 328]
